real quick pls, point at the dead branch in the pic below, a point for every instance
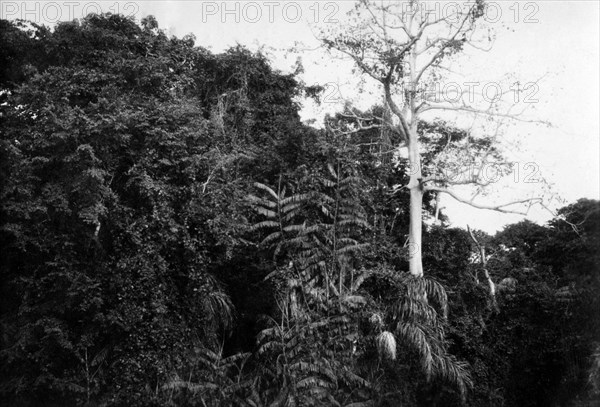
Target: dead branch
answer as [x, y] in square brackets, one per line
[483, 260]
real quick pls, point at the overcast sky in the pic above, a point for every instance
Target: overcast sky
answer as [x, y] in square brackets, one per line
[557, 41]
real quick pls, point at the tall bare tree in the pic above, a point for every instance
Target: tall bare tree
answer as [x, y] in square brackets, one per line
[403, 47]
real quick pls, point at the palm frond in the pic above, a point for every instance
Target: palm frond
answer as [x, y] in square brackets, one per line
[219, 307]
[429, 289]
[449, 369]
[415, 309]
[420, 340]
[386, 345]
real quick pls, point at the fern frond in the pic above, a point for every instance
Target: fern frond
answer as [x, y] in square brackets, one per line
[264, 224]
[211, 356]
[358, 280]
[351, 379]
[332, 171]
[326, 198]
[314, 368]
[236, 387]
[325, 227]
[286, 208]
[347, 241]
[273, 236]
[294, 228]
[313, 228]
[326, 211]
[298, 241]
[355, 221]
[278, 249]
[272, 346]
[228, 361]
[261, 201]
[267, 332]
[355, 301]
[267, 189]
[339, 319]
[207, 362]
[297, 199]
[354, 248]
[294, 346]
[192, 387]
[349, 203]
[314, 381]
[266, 212]
[100, 357]
[290, 215]
[351, 180]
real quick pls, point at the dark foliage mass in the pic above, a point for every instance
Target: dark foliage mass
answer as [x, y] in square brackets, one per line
[173, 235]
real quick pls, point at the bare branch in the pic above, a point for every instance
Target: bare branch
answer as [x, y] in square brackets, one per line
[484, 112]
[471, 181]
[479, 246]
[498, 208]
[395, 109]
[444, 46]
[359, 121]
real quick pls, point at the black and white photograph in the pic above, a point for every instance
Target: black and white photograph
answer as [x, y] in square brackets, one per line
[351, 203]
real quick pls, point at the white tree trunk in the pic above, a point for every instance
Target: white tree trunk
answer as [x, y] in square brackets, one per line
[415, 185]
[416, 209]
[414, 237]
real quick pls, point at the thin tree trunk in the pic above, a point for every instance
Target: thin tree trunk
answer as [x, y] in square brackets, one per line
[483, 259]
[334, 260]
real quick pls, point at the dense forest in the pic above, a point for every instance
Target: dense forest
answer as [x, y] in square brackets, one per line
[174, 235]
